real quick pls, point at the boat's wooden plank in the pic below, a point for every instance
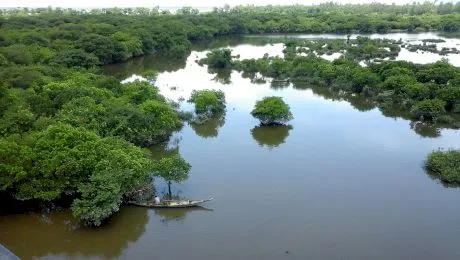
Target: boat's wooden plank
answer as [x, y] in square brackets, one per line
[6, 254]
[171, 203]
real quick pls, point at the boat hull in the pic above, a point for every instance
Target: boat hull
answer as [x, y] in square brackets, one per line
[171, 204]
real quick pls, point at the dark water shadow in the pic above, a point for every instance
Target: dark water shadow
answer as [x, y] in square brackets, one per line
[222, 76]
[168, 148]
[255, 78]
[164, 63]
[233, 41]
[139, 65]
[362, 104]
[178, 214]
[163, 150]
[210, 128]
[435, 176]
[358, 102]
[394, 112]
[271, 136]
[425, 130]
[279, 84]
[61, 235]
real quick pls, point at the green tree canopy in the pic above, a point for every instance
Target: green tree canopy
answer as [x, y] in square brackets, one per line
[172, 169]
[64, 160]
[272, 110]
[219, 59]
[428, 109]
[77, 58]
[71, 137]
[209, 102]
[444, 165]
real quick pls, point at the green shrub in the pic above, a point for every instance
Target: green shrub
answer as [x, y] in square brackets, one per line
[428, 109]
[272, 111]
[446, 119]
[208, 101]
[77, 58]
[219, 59]
[444, 165]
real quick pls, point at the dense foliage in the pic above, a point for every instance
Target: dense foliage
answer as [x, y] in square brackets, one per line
[428, 91]
[445, 165]
[88, 38]
[362, 48]
[218, 59]
[208, 102]
[65, 160]
[172, 169]
[72, 134]
[428, 109]
[272, 111]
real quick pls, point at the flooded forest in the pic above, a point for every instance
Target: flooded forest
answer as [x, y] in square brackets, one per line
[320, 132]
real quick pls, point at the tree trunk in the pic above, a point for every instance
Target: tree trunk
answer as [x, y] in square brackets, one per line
[169, 189]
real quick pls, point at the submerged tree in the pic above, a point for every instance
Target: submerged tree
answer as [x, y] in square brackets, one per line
[64, 160]
[444, 165]
[172, 169]
[218, 59]
[208, 102]
[428, 109]
[223, 76]
[272, 111]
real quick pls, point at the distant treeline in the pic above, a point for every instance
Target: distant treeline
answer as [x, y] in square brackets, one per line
[118, 35]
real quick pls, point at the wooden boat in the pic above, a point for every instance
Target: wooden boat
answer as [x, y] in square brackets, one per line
[280, 80]
[171, 203]
[7, 254]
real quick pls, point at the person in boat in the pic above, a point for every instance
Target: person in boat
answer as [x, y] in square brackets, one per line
[156, 200]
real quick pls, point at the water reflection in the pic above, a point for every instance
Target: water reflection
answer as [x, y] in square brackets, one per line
[435, 176]
[222, 76]
[255, 78]
[243, 46]
[358, 102]
[425, 130]
[235, 41]
[139, 65]
[210, 128]
[163, 150]
[179, 214]
[323, 92]
[362, 104]
[271, 136]
[279, 84]
[60, 235]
